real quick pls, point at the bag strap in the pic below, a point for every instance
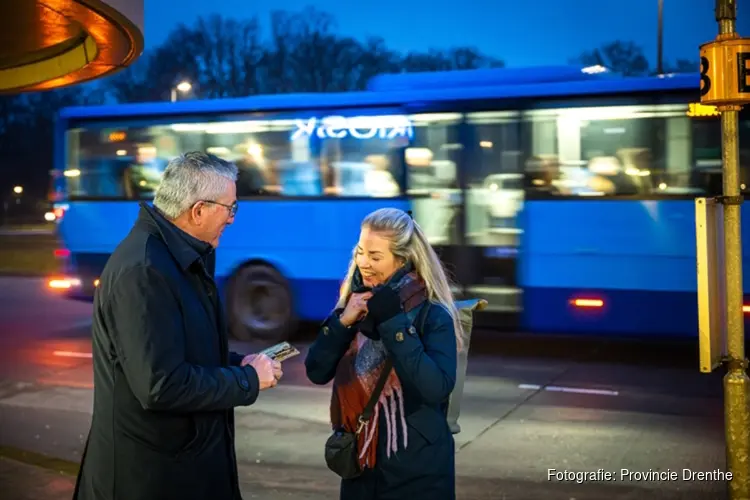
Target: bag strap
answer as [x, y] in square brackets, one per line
[370, 406]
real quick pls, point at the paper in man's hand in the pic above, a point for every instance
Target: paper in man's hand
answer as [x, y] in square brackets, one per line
[281, 352]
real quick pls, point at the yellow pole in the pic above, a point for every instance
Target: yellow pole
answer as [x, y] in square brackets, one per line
[736, 382]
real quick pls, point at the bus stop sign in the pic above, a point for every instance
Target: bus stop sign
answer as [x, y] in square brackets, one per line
[725, 72]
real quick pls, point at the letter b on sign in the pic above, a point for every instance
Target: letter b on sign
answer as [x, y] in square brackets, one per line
[705, 79]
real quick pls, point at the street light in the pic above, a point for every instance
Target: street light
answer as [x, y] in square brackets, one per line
[184, 87]
[18, 189]
[660, 39]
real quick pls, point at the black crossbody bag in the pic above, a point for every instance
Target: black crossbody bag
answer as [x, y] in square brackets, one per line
[341, 451]
[341, 448]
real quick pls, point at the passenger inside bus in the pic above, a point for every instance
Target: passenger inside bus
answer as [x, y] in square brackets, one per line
[379, 180]
[541, 175]
[344, 174]
[609, 177]
[141, 179]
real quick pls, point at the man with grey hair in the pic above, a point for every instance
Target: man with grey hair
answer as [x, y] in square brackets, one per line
[165, 383]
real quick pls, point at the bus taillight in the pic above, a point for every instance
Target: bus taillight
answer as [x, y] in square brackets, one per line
[63, 283]
[62, 253]
[588, 303]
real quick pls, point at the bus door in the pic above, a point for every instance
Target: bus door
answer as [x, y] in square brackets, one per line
[436, 199]
[493, 187]
[466, 189]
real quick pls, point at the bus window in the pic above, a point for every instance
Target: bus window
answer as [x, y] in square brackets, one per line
[368, 164]
[270, 160]
[272, 157]
[707, 153]
[117, 162]
[494, 179]
[431, 162]
[610, 151]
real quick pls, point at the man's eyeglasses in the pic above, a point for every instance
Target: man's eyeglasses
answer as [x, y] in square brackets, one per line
[232, 208]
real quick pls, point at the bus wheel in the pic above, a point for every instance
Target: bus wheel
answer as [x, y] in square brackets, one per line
[260, 304]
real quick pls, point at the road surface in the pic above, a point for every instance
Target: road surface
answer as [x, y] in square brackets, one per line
[523, 415]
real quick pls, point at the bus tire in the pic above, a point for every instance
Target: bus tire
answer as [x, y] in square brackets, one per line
[260, 305]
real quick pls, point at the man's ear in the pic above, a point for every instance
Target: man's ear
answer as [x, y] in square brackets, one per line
[196, 212]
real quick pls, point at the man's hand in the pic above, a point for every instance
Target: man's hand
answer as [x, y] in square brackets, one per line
[269, 371]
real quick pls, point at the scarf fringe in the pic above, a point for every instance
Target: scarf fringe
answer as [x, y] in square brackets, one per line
[392, 405]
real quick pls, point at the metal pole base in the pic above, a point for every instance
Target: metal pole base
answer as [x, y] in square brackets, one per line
[737, 428]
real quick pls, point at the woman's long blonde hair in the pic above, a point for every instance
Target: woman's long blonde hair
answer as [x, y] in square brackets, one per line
[409, 243]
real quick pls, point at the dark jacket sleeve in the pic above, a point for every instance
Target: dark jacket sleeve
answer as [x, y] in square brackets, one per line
[331, 344]
[235, 358]
[149, 340]
[427, 363]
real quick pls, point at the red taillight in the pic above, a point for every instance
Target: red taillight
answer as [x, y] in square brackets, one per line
[59, 212]
[63, 283]
[587, 303]
[62, 253]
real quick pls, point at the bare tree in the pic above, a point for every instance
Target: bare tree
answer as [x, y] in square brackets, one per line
[448, 60]
[683, 66]
[131, 84]
[621, 57]
[26, 136]
[305, 54]
[376, 58]
[228, 54]
[278, 57]
[173, 61]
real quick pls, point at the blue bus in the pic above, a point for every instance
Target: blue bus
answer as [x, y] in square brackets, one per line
[563, 196]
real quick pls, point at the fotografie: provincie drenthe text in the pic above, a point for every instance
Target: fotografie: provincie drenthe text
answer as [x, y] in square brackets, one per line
[629, 475]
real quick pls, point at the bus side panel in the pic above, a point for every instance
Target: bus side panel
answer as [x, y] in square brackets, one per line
[638, 257]
[90, 227]
[90, 231]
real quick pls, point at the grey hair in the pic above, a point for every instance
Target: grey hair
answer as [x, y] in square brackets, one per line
[190, 178]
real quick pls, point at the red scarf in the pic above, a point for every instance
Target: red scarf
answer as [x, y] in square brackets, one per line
[358, 372]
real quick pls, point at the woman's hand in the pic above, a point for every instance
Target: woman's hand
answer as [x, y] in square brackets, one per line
[384, 305]
[356, 309]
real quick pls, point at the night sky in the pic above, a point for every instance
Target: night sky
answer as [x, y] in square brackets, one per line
[528, 33]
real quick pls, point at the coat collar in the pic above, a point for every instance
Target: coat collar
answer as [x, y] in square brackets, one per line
[185, 248]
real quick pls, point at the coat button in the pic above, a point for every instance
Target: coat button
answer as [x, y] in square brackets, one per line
[325, 330]
[244, 384]
[399, 337]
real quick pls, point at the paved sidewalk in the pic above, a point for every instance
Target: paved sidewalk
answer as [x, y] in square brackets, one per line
[20, 481]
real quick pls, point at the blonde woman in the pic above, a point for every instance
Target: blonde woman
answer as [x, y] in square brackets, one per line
[395, 321]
